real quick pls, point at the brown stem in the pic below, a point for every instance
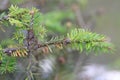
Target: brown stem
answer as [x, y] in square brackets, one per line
[79, 16]
[66, 42]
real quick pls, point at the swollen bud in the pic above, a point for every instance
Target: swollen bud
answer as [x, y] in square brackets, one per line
[32, 12]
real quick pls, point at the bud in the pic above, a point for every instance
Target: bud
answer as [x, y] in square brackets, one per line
[32, 12]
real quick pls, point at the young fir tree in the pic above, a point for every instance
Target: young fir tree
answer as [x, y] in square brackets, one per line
[29, 40]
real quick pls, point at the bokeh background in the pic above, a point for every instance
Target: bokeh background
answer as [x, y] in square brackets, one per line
[108, 24]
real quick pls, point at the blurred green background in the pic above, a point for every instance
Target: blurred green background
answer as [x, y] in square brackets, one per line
[108, 24]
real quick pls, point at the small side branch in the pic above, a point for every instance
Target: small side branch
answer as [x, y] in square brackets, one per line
[4, 18]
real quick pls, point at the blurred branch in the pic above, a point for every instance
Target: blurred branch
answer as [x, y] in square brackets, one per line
[2, 29]
[4, 18]
[79, 16]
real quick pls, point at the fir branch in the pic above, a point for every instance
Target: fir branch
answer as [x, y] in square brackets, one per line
[25, 19]
[65, 42]
[82, 39]
[78, 38]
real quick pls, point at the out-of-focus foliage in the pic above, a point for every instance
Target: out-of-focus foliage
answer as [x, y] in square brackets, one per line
[58, 21]
[82, 3]
[7, 64]
[5, 43]
[115, 64]
[16, 1]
